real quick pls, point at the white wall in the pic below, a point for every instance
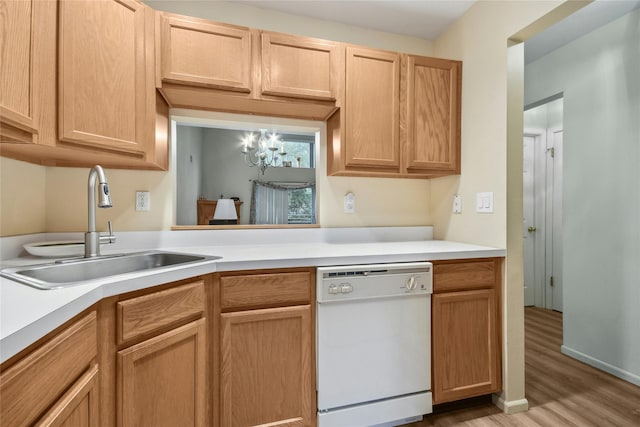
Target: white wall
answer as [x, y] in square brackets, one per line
[600, 77]
[545, 116]
[189, 162]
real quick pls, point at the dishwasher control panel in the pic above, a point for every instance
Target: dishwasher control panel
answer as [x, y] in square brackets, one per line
[373, 281]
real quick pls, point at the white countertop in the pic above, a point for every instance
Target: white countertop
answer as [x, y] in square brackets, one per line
[27, 314]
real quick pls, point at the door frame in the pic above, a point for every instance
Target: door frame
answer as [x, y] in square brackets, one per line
[554, 219]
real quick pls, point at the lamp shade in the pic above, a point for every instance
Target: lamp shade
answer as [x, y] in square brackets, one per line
[225, 209]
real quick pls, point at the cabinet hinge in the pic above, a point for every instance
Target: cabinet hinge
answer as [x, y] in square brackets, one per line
[553, 152]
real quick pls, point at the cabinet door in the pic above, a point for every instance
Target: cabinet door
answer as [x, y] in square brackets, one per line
[433, 115]
[465, 345]
[372, 113]
[201, 53]
[104, 87]
[27, 67]
[162, 381]
[299, 67]
[78, 407]
[267, 368]
[35, 383]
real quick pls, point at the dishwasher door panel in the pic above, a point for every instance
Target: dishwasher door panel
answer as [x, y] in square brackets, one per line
[373, 349]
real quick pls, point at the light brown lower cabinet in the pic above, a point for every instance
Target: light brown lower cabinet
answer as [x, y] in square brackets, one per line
[162, 381]
[55, 383]
[153, 353]
[231, 349]
[466, 332]
[264, 366]
[78, 407]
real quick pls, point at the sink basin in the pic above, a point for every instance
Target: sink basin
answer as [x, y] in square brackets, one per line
[67, 273]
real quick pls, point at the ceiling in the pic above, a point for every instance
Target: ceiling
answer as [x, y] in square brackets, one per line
[583, 21]
[427, 19]
[422, 19]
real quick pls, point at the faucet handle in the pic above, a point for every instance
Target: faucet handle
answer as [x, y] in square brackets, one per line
[110, 238]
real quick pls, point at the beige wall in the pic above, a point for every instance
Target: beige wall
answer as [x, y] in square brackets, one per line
[492, 105]
[22, 198]
[66, 200]
[39, 199]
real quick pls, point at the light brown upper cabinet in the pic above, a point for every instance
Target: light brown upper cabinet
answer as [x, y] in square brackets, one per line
[401, 117]
[204, 53]
[372, 109]
[104, 75]
[299, 67]
[432, 116]
[206, 65]
[27, 70]
[106, 109]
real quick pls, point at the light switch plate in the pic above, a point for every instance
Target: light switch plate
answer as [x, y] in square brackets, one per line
[143, 201]
[484, 202]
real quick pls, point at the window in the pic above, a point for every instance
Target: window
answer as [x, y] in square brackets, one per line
[299, 148]
[302, 205]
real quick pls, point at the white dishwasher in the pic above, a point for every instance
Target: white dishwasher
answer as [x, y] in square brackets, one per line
[373, 344]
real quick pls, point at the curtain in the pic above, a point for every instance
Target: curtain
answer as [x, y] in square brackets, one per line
[270, 202]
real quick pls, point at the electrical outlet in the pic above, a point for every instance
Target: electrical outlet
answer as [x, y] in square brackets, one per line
[350, 203]
[143, 201]
[457, 204]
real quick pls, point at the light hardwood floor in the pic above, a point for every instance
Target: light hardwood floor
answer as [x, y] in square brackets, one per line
[561, 391]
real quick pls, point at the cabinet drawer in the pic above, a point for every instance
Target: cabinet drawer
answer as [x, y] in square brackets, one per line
[29, 387]
[459, 275]
[263, 290]
[148, 313]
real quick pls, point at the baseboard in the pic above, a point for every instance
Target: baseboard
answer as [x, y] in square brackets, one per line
[603, 366]
[510, 406]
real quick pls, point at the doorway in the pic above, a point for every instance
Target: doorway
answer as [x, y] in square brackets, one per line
[542, 204]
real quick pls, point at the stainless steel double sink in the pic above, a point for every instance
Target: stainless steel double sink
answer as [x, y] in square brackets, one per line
[65, 273]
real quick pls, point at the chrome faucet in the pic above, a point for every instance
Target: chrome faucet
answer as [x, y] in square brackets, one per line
[92, 238]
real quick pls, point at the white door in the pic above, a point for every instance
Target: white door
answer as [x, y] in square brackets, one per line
[533, 226]
[529, 218]
[542, 211]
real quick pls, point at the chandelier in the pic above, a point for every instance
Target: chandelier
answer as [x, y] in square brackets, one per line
[266, 152]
